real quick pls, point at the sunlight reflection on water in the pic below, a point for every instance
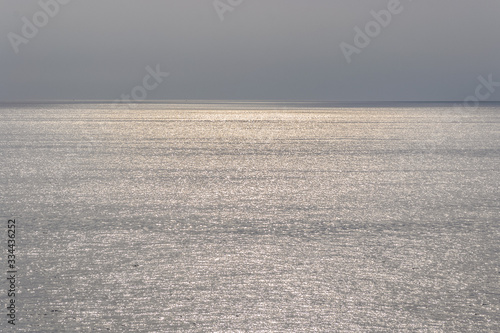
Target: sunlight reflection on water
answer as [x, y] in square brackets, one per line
[260, 217]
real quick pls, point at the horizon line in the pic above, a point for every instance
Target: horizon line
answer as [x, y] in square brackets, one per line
[197, 101]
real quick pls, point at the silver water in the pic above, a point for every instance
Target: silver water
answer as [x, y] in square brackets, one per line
[262, 217]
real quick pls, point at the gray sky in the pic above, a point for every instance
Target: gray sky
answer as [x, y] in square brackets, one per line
[262, 49]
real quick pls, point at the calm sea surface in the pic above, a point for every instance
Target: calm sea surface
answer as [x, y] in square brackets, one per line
[259, 217]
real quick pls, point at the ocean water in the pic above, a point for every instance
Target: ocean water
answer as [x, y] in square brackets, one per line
[252, 217]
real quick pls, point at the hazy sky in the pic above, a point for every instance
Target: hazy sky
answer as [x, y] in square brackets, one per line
[262, 49]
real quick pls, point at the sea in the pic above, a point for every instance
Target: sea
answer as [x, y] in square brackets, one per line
[250, 217]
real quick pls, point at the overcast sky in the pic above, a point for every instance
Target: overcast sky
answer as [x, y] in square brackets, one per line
[259, 49]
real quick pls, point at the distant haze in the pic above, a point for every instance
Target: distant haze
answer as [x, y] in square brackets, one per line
[248, 50]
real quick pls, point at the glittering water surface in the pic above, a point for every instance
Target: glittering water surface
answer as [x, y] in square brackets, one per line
[253, 217]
